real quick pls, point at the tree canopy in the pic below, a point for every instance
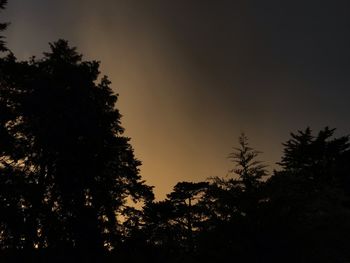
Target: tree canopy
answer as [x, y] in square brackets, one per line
[71, 189]
[3, 26]
[63, 141]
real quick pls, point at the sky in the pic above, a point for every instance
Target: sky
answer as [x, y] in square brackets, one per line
[193, 74]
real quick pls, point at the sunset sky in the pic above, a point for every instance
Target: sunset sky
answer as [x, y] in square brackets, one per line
[193, 74]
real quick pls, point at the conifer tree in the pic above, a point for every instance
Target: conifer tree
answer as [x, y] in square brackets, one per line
[75, 168]
[249, 170]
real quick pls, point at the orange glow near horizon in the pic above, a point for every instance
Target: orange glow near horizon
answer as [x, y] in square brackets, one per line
[191, 77]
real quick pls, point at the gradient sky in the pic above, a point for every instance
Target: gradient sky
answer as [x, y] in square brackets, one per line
[193, 74]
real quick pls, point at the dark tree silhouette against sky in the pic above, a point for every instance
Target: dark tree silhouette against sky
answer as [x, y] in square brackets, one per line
[196, 73]
[199, 72]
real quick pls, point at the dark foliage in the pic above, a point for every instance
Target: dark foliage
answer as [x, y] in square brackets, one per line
[68, 176]
[66, 169]
[299, 214]
[3, 26]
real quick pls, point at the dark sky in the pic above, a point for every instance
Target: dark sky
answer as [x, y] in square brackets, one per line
[193, 74]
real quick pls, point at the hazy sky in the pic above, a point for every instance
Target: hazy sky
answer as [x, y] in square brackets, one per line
[193, 74]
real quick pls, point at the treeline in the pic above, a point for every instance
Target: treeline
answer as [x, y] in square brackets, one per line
[300, 213]
[69, 177]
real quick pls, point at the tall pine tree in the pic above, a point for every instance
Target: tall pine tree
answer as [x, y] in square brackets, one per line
[69, 154]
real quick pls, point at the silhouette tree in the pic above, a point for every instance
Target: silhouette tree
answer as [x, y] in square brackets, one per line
[161, 231]
[307, 207]
[249, 170]
[231, 208]
[3, 26]
[173, 225]
[240, 192]
[186, 200]
[319, 156]
[15, 220]
[300, 214]
[76, 167]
